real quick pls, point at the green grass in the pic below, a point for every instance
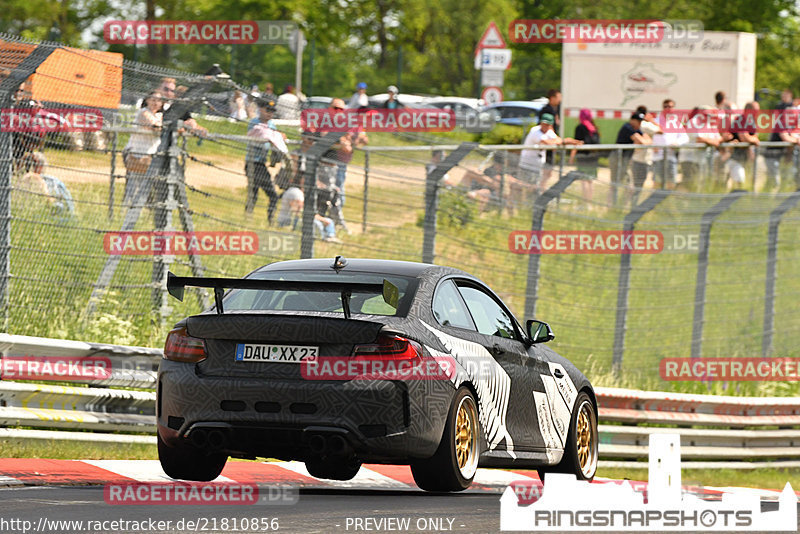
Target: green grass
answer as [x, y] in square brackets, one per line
[769, 478]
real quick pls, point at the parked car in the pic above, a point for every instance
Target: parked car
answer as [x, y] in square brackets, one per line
[234, 380]
[377, 101]
[517, 112]
[317, 102]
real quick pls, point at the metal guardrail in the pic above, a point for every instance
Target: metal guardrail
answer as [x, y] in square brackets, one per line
[747, 432]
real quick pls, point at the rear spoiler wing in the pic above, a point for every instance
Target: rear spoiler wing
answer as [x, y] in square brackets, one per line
[176, 285]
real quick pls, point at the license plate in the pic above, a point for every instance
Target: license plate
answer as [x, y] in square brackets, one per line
[254, 352]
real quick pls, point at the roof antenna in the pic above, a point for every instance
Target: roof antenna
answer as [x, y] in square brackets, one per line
[339, 263]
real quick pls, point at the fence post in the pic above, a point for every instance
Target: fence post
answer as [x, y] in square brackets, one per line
[313, 156]
[113, 180]
[539, 209]
[432, 198]
[772, 263]
[623, 286]
[366, 192]
[702, 267]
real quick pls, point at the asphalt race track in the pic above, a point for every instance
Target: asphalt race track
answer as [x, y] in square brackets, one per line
[37, 493]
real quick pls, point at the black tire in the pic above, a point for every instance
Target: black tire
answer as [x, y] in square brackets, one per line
[446, 470]
[579, 461]
[333, 469]
[190, 463]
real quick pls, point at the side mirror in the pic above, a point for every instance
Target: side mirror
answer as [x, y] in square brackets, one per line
[539, 332]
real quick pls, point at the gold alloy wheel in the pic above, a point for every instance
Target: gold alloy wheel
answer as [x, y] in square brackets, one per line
[586, 440]
[466, 439]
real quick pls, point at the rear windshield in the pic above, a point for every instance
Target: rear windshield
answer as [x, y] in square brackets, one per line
[279, 300]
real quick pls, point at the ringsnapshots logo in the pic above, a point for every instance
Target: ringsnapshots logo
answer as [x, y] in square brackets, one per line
[567, 504]
[585, 242]
[50, 120]
[378, 120]
[540, 31]
[193, 493]
[199, 31]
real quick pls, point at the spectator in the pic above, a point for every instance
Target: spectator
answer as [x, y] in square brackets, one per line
[630, 133]
[238, 106]
[189, 123]
[359, 99]
[532, 161]
[640, 161]
[343, 153]
[50, 187]
[740, 155]
[288, 104]
[269, 92]
[698, 131]
[553, 107]
[257, 159]
[25, 143]
[391, 102]
[586, 132]
[774, 155]
[291, 208]
[721, 101]
[142, 145]
[665, 160]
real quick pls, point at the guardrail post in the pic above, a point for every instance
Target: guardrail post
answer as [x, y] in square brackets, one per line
[539, 209]
[772, 263]
[623, 286]
[702, 267]
[366, 192]
[8, 87]
[432, 198]
[313, 155]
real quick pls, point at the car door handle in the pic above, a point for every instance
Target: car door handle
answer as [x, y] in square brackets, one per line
[558, 374]
[497, 350]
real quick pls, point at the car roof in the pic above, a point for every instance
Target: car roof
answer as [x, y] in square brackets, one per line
[391, 267]
[474, 102]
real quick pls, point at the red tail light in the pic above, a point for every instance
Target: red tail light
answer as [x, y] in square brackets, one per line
[389, 347]
[181, 347]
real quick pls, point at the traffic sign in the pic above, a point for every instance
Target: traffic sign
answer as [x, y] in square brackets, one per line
[492, 38]
[493, 59]
[491, 78]
[492, 95]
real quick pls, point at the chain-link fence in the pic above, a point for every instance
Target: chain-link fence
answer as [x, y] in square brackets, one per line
[91, 223]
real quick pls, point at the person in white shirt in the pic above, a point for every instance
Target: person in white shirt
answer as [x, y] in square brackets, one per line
[699, 129]
[640, 161]
[359, 99]
[532, 161]
[665, 160]
[288, 104]
[142, 144]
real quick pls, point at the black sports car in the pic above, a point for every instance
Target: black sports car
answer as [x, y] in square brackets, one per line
[335, 363]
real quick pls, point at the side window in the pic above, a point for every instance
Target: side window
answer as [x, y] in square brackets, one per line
[448, 308]
[489, 317]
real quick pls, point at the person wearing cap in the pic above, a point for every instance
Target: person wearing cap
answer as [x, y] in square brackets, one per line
[257, 159]
[532, 161]
[359, 99]
[391, 102]
[629, 134]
